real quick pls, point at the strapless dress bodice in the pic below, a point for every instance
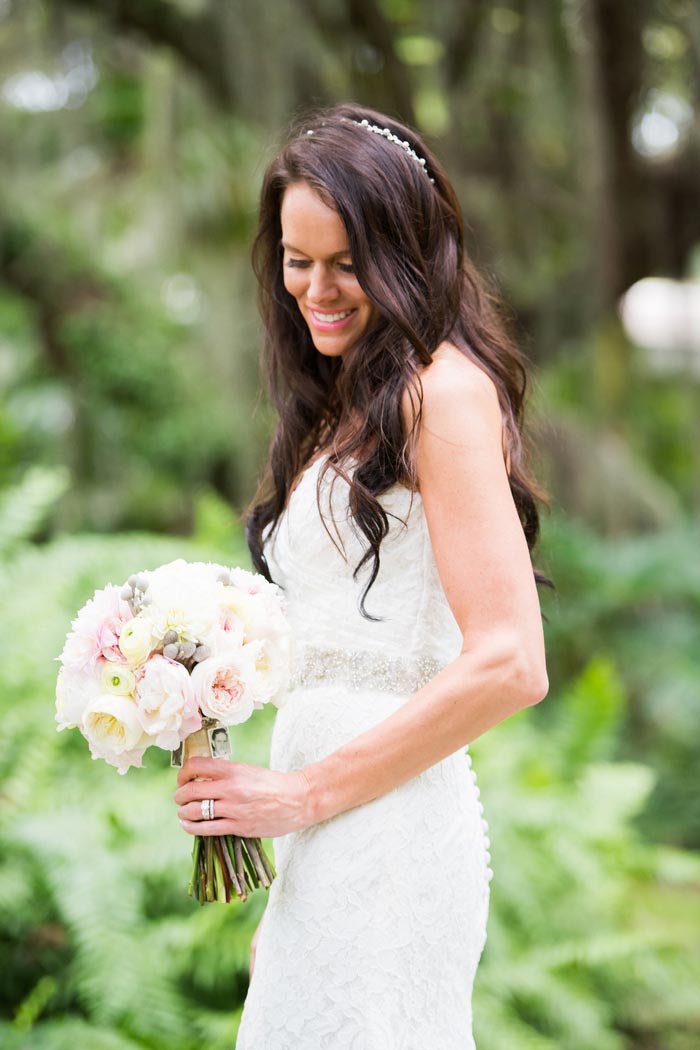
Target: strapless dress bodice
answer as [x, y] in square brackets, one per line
[312, 554]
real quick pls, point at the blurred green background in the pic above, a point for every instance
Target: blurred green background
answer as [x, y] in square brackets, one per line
[133, 137]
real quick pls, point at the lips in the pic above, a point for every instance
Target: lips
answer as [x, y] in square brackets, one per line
[328, 321]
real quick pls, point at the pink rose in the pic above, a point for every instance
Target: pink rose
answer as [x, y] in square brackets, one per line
[224, 687]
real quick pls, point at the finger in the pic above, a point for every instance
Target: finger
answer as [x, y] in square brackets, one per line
[193, 811]
[216, 827]
[213, 768]
[196, 790]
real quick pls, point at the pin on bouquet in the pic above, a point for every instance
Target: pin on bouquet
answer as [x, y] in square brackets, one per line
[172, 659]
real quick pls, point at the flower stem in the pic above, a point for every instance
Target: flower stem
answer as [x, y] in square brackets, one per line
[219, 887]
[238, 854]
[209, 867]
[227, 851]
[253, 852]
[269, 866]
[196, 847]
[250, 866]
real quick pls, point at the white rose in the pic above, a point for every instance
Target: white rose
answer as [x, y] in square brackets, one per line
[75, 690]
[136, 640]
[114, 732]
[224, 687]
[166, 703]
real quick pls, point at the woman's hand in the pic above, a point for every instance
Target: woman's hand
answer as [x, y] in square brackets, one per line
[249, 801]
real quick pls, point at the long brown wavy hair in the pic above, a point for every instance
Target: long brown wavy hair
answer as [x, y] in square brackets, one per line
[406, 240]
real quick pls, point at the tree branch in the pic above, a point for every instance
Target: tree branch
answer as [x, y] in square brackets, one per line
[365, 21]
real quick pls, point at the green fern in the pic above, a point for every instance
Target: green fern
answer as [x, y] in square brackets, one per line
[588, 921]
[25, 506]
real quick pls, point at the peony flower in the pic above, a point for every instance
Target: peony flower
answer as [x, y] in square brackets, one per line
[165, 701]
[136, 640]
[255, 583]
[259, 613]
[113, 730]
[96, 631]
[224, 687]
[239, 611]
[184, 598]
[75, 690]
[272, 659]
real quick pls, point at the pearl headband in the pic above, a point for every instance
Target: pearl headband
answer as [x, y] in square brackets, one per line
[387, 134]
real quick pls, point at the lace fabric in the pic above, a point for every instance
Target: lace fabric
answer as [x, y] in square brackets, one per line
[377, 918]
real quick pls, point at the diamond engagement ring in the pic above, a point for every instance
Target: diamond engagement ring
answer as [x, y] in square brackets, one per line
[207, 808]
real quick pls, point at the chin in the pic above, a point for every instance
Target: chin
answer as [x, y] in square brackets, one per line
[330, 351]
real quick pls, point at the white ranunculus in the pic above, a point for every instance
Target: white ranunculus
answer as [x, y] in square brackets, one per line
[136, 640]
[75, 690]
[224, 687]
[166, 703]
[112, 728]
[117, 678]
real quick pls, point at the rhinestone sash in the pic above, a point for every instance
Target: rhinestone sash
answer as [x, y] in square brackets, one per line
[361, 669]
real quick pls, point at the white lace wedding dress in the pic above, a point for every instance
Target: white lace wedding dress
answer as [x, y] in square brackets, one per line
[376, 920]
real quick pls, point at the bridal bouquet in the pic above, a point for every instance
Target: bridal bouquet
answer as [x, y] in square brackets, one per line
[173, 658]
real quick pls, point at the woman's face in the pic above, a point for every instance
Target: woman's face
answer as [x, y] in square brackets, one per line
[318, 271]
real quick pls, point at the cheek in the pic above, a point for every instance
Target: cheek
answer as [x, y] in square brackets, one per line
[355, 291]
[295, 283]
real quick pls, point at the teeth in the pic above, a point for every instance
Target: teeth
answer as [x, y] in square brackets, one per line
[327, 318]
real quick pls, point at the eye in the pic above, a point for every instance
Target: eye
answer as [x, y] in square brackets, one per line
[346, 267]
[297, 262]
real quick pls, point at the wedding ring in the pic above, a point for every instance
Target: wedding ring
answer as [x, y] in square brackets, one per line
[207, 808]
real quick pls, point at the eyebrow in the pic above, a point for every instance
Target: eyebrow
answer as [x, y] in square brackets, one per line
[346, 251]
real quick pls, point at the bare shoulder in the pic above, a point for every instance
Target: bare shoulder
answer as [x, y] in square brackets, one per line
[458, 396]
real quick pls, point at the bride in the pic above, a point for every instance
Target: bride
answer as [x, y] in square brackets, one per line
[397, 514]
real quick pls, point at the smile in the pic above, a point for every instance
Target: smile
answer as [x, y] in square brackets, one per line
[331, 321]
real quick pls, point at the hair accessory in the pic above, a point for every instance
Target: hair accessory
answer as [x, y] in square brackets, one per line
[394, 138]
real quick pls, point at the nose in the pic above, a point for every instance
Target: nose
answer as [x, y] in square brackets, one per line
[321, 285]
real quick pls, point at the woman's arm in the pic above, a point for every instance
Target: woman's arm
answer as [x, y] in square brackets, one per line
[486, 572]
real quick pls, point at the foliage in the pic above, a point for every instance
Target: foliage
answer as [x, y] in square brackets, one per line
[24, 507]
[113, 404]
[570, 959]
[101, 944]
[634, 602]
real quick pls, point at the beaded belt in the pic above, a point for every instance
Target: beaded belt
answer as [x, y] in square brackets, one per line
[361, 669]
